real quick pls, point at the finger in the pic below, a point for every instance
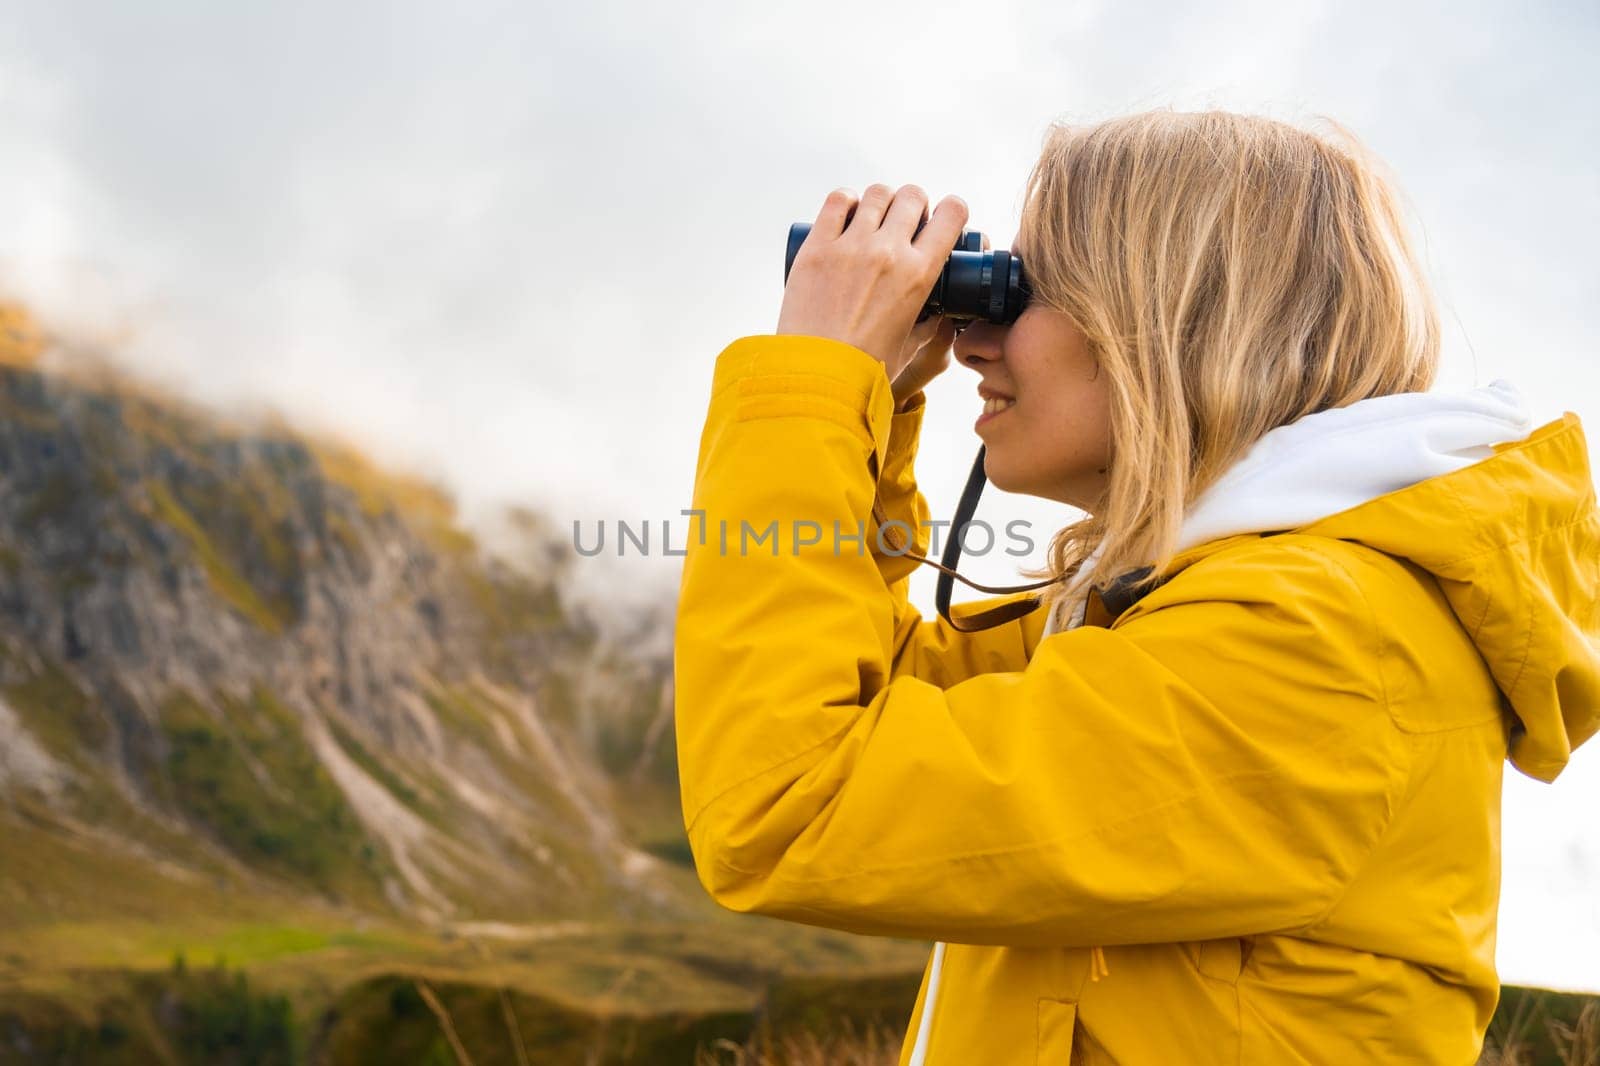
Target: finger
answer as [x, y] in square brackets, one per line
[869, 212]
[835, 213]
[938, 237]
[924, 331]
[932, 336]
[909, 210]
[937, 340]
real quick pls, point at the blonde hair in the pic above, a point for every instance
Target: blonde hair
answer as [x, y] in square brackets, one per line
[1232, 273]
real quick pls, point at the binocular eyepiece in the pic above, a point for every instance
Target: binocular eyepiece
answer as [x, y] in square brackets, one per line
[973, 284]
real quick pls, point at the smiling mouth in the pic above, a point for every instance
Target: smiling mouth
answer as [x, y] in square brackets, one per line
[996, 404]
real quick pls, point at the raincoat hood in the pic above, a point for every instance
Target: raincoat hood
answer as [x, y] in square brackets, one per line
[1460, 484]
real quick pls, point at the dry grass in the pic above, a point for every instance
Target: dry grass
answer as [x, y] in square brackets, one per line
[445, 1022]
[1525, 1039]
[1514, 1041]
[1520, 1043]
[872, 1046]
[850, 1046]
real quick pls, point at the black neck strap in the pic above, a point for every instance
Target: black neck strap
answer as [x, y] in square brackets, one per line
[993, 616]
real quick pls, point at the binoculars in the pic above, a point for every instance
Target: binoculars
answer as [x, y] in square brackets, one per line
[973, 283]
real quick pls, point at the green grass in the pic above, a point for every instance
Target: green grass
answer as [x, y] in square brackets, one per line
[252, 780]
[225, 579]
[352, 994]
[59, 714]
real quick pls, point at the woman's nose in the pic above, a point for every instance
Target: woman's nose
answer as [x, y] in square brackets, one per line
[979, 343]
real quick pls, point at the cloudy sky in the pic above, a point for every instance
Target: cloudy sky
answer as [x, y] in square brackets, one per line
[502, 245]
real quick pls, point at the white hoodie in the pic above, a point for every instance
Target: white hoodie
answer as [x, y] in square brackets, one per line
[1337, 459]
[1320, 465]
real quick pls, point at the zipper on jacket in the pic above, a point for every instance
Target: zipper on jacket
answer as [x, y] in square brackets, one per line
[919, 1051]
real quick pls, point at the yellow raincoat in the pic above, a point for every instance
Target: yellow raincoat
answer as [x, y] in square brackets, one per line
[1253, 818]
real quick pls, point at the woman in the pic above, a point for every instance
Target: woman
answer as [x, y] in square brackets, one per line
[1241, 805]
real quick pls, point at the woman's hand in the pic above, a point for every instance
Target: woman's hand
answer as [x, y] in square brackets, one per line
[924, 356]
[860, 277]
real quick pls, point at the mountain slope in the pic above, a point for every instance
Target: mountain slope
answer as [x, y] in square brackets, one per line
[249, 664]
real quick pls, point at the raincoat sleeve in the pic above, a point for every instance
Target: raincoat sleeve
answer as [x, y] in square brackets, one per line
[931, 650]
[1220, 765]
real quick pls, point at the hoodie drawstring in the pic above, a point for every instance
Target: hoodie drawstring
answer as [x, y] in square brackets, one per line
[1097, 964]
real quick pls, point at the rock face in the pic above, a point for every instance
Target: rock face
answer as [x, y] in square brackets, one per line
[258, 664]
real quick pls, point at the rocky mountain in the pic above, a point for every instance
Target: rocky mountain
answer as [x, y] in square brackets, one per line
[238, 663]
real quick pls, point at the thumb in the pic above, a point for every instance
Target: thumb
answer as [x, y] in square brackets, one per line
[930, 360]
